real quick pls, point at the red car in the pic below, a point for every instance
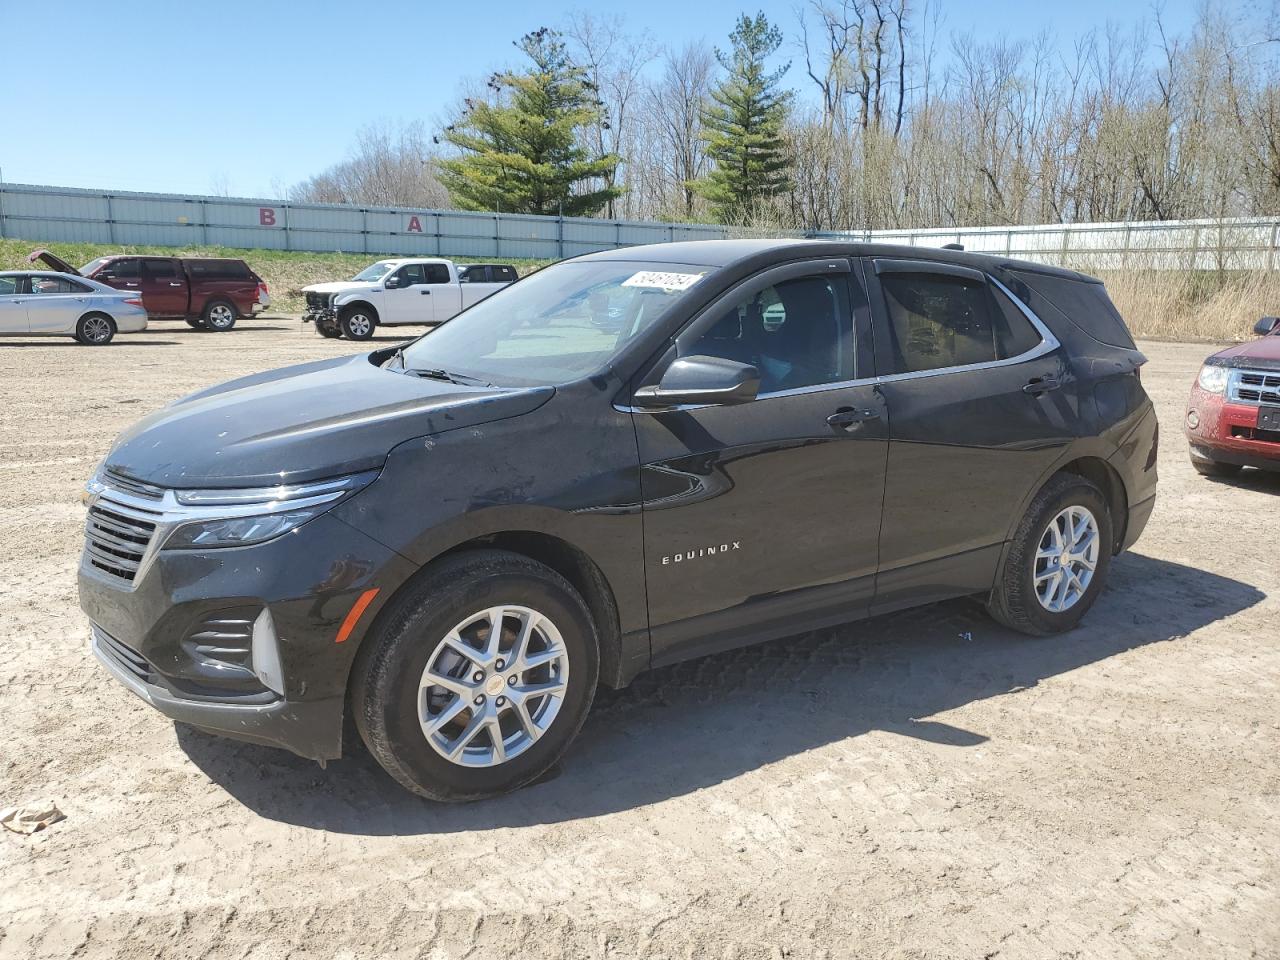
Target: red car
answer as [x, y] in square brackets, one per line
[1233, 418]
[210, 293]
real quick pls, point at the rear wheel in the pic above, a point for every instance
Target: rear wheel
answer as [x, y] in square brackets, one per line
[218, 315]
[358, 322]
[1213, 468]
[95, 329]
[1058, 559]
[478, 678]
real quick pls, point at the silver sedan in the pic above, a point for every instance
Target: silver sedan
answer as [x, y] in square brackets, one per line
[36, 303]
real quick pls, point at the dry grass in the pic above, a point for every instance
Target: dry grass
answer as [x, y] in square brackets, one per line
[1200, 305]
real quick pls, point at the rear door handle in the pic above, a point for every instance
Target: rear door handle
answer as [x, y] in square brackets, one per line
[1041, 385]
[846, 418]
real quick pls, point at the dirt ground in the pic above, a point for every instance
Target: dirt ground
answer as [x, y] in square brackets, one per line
[922, 785]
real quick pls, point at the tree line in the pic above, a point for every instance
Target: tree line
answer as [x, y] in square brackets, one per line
[859, 115]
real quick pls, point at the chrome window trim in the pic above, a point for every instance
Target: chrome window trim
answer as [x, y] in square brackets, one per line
[1048, 344]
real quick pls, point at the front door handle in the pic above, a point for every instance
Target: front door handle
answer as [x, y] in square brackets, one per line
[175, 284]
[849, 419]
[425, 293]
[1041, 385]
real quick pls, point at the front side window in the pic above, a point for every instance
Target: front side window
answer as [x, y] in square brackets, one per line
[938, 321]
[8, 285]
[559, 324]
[126, 269]
[410, 275]
[797, 333]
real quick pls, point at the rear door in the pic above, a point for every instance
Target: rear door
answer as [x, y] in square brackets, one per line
[164, 287]
[13, 306]
[445, 292]
[981, 405]
[56, 304]
[764, 516]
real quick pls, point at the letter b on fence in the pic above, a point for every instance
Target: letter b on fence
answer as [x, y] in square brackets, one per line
[267, 216]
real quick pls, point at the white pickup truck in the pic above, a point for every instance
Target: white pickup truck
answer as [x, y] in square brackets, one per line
[402, 291]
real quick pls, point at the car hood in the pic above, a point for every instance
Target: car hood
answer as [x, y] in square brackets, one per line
[303, 423]
[337, 286]
[52, 261]
[1262, 354]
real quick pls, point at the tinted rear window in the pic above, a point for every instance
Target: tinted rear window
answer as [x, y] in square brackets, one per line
[1085, 303]
[218, 270]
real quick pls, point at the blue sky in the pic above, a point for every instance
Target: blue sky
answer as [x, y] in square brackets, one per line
[240, 96]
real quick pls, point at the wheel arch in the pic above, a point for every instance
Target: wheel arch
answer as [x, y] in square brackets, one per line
[213, 298]
[352, 304]
[566, 559]
[1090, 463]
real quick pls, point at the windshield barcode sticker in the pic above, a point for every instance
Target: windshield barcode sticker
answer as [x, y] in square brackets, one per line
[662, 281]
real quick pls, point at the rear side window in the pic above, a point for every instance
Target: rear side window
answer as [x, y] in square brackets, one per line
[160, 268]
[938, 321]
[57, 285]
[9, 285]
[436, 273]
[1084, 302]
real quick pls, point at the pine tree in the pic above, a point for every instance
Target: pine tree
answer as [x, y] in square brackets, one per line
[743, 125]
[522, 153]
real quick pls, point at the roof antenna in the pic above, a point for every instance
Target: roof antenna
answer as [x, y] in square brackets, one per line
[953, 246]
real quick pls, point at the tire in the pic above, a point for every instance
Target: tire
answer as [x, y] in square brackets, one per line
[390, 686]
[1214, 468]
[328, 329]
[195, 323]
[95, 330]
[219, 316]
[1015, 601]
[358, 322]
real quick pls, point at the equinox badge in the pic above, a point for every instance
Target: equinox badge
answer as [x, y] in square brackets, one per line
[702, 552]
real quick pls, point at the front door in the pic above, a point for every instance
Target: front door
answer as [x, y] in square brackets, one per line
[164, 287]
[983, 404]
[13, 307]
[764, 516]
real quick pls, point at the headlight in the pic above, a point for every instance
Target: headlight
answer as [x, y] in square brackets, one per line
[238, 517]
[1213, 379]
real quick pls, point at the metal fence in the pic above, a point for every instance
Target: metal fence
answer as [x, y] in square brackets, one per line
[52, 214]
[65, 214]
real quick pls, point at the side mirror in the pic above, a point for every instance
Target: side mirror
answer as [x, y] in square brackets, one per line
[393, 283]
[1266, 325]
[710, 380]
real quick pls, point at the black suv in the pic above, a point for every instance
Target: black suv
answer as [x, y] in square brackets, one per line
[623, 460]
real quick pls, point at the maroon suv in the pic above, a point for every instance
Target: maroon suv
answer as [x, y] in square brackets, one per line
[209, 293]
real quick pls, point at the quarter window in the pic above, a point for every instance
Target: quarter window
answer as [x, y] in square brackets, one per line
[938, 321]
[797, 333]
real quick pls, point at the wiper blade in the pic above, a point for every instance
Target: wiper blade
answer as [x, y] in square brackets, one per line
[459, 378]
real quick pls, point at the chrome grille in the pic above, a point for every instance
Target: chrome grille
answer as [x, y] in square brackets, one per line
[116, 540]
[137, 487]
[1255, 386]
[125, 656]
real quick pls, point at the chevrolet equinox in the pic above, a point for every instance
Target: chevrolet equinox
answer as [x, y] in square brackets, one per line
[623, 460]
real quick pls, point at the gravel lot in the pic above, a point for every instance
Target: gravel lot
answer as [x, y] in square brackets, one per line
[921, 785]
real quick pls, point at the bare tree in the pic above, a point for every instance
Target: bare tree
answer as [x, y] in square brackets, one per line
[387, 167]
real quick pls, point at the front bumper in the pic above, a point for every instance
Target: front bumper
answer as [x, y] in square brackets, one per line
[165, 635]
[311, 729]
[1228, 432]
[319, 314]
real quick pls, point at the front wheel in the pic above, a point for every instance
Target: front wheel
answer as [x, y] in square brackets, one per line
[195, 323]
[95, 330]
[477, 679]
[219, 315]
[328, 329]
[357, 323]
[1058, 559]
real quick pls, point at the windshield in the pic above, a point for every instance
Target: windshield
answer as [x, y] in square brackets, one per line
[556, 325]
[375, 271]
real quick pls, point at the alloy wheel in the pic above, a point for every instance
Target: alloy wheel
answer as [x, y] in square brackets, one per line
[220, 316]
[1066, 558]
[97, 330]
[359, 324]
[493, 686]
